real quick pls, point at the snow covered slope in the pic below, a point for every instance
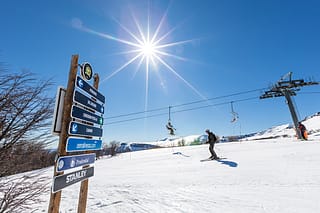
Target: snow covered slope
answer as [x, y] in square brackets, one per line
[312, 124]
[279, 175]
[182, 141]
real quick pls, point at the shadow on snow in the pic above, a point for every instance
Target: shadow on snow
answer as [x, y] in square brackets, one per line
[229, 163]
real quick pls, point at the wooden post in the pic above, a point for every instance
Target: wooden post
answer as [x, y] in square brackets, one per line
[83, 194]
[55, 198]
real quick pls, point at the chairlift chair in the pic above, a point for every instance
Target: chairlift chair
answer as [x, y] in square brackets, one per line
[234, 114]
[169, 126]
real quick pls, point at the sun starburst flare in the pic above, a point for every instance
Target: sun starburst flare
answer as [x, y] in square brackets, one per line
[147, 48]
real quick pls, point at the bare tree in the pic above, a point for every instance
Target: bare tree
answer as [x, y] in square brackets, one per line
[25, 113]
[18, 194]
[25, 118]
[113, 147]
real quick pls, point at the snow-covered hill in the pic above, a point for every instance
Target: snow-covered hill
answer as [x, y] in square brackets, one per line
[278, 175]
[166, 142]
[312, 124]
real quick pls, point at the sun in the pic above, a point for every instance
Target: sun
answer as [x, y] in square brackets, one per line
[146, 48]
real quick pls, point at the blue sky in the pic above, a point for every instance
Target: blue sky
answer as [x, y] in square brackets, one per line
[216, 48]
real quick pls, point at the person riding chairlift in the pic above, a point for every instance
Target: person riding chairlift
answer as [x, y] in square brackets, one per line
[170, 128]
[235, 117]
[234, 114]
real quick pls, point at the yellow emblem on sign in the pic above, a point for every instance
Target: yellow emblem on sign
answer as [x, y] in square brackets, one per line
[86, 71]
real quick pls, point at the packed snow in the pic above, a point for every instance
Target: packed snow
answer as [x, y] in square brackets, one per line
[267, 175]
[262, 176]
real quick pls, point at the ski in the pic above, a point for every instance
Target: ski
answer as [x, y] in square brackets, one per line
[209, 159]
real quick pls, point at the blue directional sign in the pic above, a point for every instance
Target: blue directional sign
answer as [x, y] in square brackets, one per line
[62, 181]
[82, 144]
[76, 128]
[86, 101]
[89, 89]
[85, 115]
[73, 161]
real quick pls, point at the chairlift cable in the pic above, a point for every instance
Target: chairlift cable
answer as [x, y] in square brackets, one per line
[184, 104]
[179, 111]
[185, 110]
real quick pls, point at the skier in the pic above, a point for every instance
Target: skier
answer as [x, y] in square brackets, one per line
[303, 131]
[170, 128]
[212, 139]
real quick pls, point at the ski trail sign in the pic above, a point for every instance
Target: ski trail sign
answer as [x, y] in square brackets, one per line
[68, 179]
[73, 161]
[82, 144]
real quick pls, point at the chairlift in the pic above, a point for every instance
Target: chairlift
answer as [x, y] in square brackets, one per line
[235, 115]
[169, 126]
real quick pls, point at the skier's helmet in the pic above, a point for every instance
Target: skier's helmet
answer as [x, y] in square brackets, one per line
[207, 130]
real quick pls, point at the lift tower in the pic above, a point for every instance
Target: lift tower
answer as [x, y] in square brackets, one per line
[287, 87]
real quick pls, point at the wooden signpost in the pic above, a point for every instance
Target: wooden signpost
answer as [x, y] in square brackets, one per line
[83, 108]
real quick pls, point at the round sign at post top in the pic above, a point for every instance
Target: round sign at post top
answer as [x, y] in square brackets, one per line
[86, 71]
